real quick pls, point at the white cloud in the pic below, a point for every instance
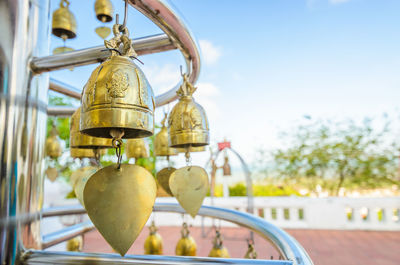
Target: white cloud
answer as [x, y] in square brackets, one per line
[162, 78]
[207, 95]
[210, 52]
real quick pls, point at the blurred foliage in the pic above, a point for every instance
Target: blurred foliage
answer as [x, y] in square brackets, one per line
[239, 189]
[335, 155]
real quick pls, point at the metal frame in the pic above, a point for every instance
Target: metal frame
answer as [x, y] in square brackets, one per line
[287, 246]
[177, 36]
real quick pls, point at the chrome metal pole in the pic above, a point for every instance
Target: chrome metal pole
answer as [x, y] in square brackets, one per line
[289, 248]
[23, 96]
[33, 257]
[145, 45]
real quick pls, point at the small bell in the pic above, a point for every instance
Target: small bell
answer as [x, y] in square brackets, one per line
[218, 250]
[251, 252]
[117, 99]
[153, 244]
[53, 146]
[226, 167]
[104, 10]
[161, 146]
[80, 140]
[86, 153]
[136, 148]
[75, 244]
[186, 245]
[187, 123]
[64, 22]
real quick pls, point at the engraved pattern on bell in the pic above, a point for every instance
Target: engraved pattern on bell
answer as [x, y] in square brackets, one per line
[64, 22]
[80, 140]
[187, 122]
[117, 84]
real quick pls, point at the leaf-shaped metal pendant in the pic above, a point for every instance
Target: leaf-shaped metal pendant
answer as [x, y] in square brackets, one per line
[163, 178]
[52, 173]
[79, 179]
[119, 202]
[103, 32]
[189, 186]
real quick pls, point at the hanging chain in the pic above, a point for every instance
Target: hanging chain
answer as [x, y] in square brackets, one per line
[185, 231]
[188, 158]
[218, 238]
[251, 252]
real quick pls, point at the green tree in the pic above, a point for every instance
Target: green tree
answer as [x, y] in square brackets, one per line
[338, 154]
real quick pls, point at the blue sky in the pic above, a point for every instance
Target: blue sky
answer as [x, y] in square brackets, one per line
[267, 63]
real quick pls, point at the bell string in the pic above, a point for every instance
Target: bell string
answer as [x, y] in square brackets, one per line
[188, 158]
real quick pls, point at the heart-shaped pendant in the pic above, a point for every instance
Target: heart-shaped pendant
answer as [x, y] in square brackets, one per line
[103, 32]
[189, 186]
[163, 178]
[119, 202]
[79, 179]
[52, 173]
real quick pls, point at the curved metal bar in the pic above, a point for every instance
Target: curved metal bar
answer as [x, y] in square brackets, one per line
[289, 248]
[37, 257]
[64, 89]
[162, 15]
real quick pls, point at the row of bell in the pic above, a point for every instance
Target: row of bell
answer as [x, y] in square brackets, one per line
[64, 22]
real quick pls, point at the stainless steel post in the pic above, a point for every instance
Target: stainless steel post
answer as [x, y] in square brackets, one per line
[23, 104]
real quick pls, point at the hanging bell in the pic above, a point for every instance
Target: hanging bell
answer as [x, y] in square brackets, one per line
[218, 250]
[192, 149]
[53, 146]
[86, 153]
[187, 122]
[186, 245]
[117, 96]
[136, 148]
[104, 10]
[161, 146]
[64, 22]
[80, 140]
[153, 244]
[75, 244]
[226, 167]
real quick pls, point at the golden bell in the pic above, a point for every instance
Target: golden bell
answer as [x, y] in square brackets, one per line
[192, 149]
[75, 244]
[153, 244]
[161, 145]
[186, 245]
[218, 250]
[117, 96]
[104, 10]
[53, 146]
[80, 140]
[136, 148]
[64, 22]
[226, 167]
[85, 153]
[187, 123]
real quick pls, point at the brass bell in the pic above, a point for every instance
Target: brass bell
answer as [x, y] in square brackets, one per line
[226, 167]
[104, 10]
[192, 149]
[188, 124]
[161, 146]
[86, 153]
[75, 244]
[136, 148]
[80, 140]
[186, 245]
[117, 96]
[53, 146]
[64, 22]
[218, 250]
[153, 244]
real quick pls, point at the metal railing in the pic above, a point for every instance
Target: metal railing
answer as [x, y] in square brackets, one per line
[286, 245]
